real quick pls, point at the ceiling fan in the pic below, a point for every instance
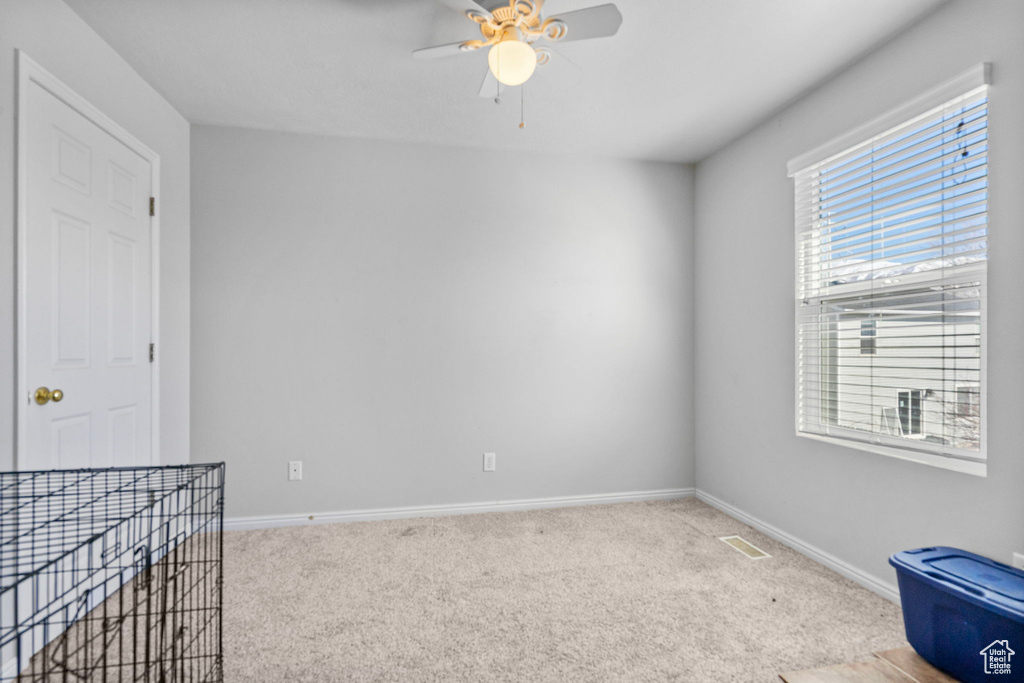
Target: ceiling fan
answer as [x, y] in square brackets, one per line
[518, 33]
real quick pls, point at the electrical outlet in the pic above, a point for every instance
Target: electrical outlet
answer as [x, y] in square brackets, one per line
[1018, 560]
[490, 462]
[295, 470]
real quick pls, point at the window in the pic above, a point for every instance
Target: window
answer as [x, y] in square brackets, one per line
[867, 337]
[967, 403]
[892, 251]
[908, 407]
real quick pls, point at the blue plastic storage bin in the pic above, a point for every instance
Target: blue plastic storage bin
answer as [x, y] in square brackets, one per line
[964, 613]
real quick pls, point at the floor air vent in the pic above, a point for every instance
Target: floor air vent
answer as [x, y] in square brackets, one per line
[744, 547]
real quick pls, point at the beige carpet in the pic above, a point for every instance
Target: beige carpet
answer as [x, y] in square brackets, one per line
[628, 592]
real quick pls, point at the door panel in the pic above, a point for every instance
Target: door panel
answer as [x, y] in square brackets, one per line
[123, 440]
[70, 310]
[88, 291]
[70, 442]
[72, 161]
[122, 333]
[122, 189]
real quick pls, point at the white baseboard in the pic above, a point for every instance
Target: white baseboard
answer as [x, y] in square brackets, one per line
[872, 583]
[271, 521]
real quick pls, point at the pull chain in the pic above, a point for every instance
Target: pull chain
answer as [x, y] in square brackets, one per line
[522, 106]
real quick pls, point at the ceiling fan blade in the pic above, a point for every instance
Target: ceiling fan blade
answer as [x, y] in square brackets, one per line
[449, 50]
[465, 6]
[491, 87]
[553, 76]
[592, 22]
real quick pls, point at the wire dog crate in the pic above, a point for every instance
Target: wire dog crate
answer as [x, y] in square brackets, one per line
[112, 575]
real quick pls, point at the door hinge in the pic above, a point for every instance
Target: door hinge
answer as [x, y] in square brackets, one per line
[152, 352]
[152, 206]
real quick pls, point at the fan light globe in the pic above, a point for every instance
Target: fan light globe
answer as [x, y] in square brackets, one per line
[512, 61]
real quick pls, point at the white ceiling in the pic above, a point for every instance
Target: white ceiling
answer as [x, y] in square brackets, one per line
[681, 78]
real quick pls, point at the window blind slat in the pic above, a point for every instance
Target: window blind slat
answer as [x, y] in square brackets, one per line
[903, 232]
[884, 163]
[879, 167]
[934, 176]
[937, 178]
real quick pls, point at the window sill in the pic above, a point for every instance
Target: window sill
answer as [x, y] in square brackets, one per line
[974, 468]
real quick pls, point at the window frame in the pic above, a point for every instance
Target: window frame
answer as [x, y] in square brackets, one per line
[902, 448]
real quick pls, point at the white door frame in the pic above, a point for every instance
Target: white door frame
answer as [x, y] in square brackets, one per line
[29, 73]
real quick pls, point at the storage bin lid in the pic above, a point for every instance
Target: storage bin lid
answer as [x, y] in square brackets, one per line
[974, 578]
[983, 575]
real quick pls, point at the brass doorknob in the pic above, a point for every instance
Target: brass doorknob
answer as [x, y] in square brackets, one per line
[44, 395]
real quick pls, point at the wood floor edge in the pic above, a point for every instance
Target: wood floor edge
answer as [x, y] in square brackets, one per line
[899, 665]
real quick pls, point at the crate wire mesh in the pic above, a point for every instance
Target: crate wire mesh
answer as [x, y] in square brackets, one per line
[112, 574]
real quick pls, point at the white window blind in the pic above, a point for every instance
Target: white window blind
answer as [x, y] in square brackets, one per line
[892, 250]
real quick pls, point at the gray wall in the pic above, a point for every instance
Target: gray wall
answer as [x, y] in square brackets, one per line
[858, 506]
[387, 313]
[52, 34]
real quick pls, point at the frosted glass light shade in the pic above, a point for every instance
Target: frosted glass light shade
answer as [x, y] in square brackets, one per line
[512, 61]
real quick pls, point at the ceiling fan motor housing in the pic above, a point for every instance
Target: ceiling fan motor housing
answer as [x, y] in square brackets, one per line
[511, 28]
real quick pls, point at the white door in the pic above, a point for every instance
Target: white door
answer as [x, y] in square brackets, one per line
[87, 300]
